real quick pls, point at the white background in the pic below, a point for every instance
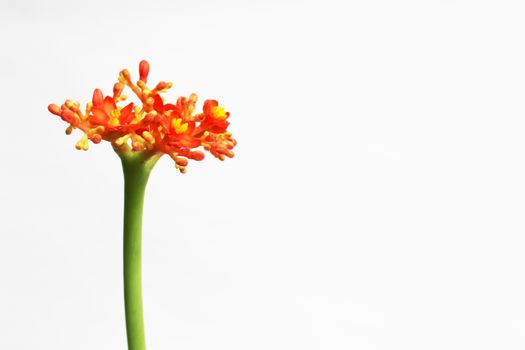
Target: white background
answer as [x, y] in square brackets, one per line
[376, 199]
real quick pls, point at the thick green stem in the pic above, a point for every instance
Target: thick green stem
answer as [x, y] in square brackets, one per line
[136, 173]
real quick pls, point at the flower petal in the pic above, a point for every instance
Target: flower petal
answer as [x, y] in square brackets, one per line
[98, 116]
[126, 115]
[158, 104]
[109, 105]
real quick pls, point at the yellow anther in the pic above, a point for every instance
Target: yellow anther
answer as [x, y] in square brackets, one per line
[148, 137]
[179, 126]
[69, 104]
[115, 113]
[121, 140]
[181, 168]
[82, 143]
[137, 142]
[219, 113]
[114, 119]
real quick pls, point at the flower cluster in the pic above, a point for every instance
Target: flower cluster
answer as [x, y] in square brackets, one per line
[154, 126]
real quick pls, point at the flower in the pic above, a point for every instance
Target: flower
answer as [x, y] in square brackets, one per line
[155, 126]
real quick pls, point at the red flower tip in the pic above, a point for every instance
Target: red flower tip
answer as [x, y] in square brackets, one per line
[144, 70]
[155, 127]
[53, 108]
[117, 89]
[98, 98]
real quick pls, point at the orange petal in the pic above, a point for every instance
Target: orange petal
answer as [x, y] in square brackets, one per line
[125, 114]
[158, 104]
[208, 105]
[109, 105]
[98, 117]
[190, 142]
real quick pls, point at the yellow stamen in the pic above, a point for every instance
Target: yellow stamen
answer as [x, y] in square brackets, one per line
[115, 115]
[82, 143]
[121, 140]
[148, 137]
[219, 113]
[179, 126]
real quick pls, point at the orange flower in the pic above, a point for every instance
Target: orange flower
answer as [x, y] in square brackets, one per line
[214, 117]
[154, 127]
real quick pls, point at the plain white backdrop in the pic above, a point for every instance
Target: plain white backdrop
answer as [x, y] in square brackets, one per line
[376, 200]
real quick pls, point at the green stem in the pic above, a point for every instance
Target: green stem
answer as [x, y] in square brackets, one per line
[136, 169]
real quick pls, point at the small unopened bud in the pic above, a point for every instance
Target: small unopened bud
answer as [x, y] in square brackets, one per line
[70, 117]
[96, 138]
[144, 70]
[162, 85]
[53, 108]
[125, 74]
[117, 89]
[182, 161]
[98, 98]
[197, 155]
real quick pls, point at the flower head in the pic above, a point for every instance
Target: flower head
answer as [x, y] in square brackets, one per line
[154, 126]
